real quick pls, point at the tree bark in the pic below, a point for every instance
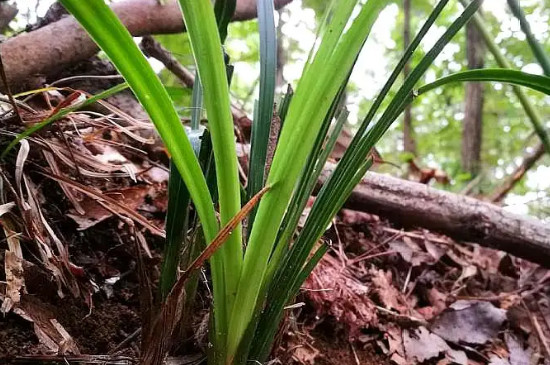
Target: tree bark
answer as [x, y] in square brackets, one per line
[409, 144]
[473, 108]
[63, 43]
[462, 218]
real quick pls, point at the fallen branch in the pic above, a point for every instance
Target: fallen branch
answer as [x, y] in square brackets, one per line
[63, 43]
[459, 217]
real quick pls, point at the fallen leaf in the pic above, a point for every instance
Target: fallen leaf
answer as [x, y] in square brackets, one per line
[305, 354]
[469, 322]
[46, 327]
[388, 295]
[95, 213]
[457, 357]
[438, 300]
[421, 345]
[518, 354]
[496, 360]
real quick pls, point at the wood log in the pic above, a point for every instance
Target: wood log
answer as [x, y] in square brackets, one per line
[460, 217]
[64, 43]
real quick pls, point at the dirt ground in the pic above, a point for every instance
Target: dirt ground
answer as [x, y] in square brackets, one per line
[352, 310]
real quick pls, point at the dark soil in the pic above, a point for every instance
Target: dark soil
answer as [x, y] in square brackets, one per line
[101, 329]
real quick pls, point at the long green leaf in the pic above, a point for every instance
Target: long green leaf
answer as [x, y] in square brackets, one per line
[115, 40]
[308, 180]
[224, 10]
[196, 103]
[346, 171]
[277, 292]
[261, 126]
[207, 49]
[291, 275]
[177, 221]
[513, 77]
[176, 229]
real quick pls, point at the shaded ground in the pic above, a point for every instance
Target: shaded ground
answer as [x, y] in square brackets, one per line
[88, 196]
[382, 296]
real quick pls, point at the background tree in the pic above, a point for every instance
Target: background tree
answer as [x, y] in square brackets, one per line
[472, 127]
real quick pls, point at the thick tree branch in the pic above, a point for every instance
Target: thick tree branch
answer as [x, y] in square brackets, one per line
[63, 43]
[459, 217]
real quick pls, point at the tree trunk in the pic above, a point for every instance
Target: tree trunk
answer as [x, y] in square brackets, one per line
[409, 144]
[473, 108]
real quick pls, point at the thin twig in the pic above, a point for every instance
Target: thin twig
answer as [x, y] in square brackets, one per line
[8, 91]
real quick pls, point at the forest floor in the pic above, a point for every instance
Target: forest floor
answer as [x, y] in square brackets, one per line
[383, 295]
[81, 217]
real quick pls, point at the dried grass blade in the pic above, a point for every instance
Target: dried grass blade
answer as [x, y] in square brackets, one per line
[112, 204]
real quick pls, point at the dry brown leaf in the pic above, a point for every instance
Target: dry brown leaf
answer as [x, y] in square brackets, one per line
[421, 345]
[95, 213]
[305, 354]
[48, 330]
[411, 252]
[396, 350]
[469, 322]
[386, 292]
[519, 355]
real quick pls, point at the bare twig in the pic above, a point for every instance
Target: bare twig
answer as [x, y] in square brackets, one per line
[528, 162]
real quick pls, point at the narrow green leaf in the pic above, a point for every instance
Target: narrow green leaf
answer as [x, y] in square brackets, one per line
[207, 49]
[115, 40]
[308, 180]
[261, 125]
[513, 77]
[176, 229]
[536, 47]
[291, 274]
[397, 71]
[224, 10]
[196, 103]
[177, 221]
[283, 106]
